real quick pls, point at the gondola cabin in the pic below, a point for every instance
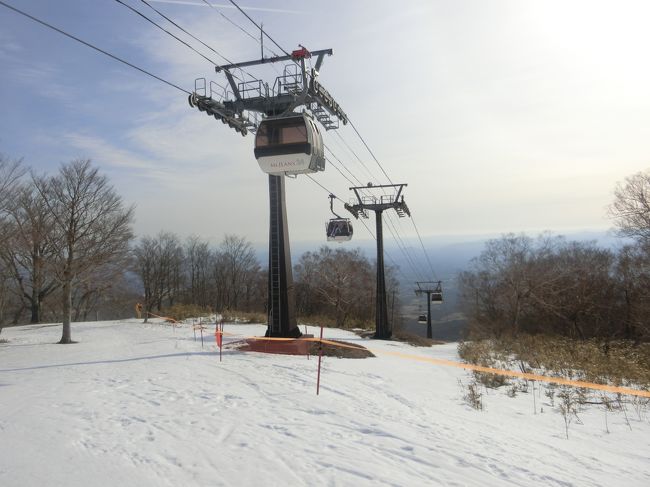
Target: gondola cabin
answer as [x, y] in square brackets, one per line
[422, 319]
[289, 145]
[436, 297]
[339, 230]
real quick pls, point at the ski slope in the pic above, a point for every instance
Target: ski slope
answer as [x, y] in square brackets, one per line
[145, 405]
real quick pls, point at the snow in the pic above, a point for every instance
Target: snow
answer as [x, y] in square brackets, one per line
[137, 404]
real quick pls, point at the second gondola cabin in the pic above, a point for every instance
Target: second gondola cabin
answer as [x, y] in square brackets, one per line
[289, 145]
[339, 230]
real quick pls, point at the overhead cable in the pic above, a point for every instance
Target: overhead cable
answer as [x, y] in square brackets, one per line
[168, 32]
[426, 255]
[187, 32]
[259, 27]
[88, 44]
[231, 21]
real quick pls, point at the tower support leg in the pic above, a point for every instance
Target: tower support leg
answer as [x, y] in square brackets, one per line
[281, 292]
[383, 329]
[429, 330]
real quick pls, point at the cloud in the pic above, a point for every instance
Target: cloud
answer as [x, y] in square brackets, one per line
[103, 151]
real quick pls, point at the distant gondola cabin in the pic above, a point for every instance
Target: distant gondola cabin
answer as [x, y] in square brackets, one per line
[339, 230]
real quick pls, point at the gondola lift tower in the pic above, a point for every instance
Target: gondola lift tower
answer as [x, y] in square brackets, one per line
[379, 204]
[288, 142]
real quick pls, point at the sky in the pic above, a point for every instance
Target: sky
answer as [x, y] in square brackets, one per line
[500, 116]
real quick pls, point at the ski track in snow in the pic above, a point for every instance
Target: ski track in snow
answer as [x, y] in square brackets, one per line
[135, 404]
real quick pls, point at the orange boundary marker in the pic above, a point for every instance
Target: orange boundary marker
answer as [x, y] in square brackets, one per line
[522, 375]
[166, 318]
[460, 365]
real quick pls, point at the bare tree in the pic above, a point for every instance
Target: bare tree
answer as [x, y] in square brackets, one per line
[145, 259]
[10, 173]
[170, 268]
[159, 264]
[631, 206]
[497, 288]
[236, 268]
[633, 274]
[92, 226]
[197, 264]
[546, 286]
[337, 283]
[28, 248]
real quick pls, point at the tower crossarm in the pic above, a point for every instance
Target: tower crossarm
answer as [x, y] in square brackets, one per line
[300, 54]
[383, 202]
[321, 96]
[428, 287]
[219, 111]
[356, 210]
[284, 98]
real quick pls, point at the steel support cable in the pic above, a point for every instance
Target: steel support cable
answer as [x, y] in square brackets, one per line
[404, 249]
[244, 31]
[49, 26]
[231, 21]
[259, 27]
[137, 12]
[191, 35]
[344, 166]
[319, 184]
[426, 255]
[258, 41]
[339, 171]
[370, 151]
[361, 162]
[399, 229]
[355, 155]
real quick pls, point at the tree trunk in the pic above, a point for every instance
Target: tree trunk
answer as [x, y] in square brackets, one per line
[67, 310]
[36, 287]
[36, 308]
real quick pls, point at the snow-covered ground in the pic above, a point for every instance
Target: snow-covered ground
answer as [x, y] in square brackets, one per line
[145, 405]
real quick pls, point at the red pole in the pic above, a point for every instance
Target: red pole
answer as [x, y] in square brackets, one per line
[220, 341]
[320, 356]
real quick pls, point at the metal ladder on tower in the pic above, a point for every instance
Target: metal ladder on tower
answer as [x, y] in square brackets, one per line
[274, 257]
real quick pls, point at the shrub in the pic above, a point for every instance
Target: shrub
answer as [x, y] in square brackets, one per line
[243, 316]
[180, 312]
[473, 396]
